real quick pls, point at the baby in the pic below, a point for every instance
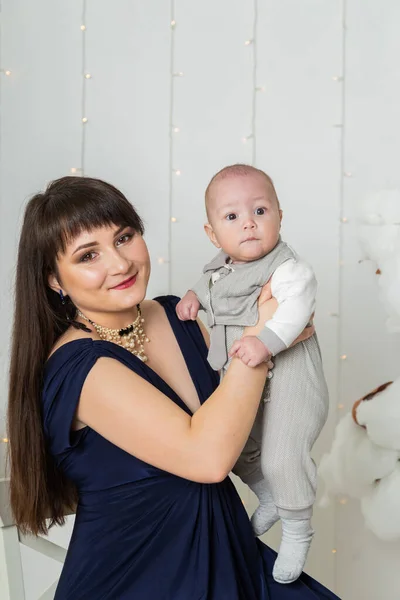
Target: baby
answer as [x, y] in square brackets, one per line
[244, 221]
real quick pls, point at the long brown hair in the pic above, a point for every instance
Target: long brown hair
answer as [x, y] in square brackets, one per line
[70, 205]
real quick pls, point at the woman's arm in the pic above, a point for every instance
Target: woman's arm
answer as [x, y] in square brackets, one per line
[137, 417]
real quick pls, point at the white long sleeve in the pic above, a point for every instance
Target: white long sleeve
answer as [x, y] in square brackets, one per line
[294, 286]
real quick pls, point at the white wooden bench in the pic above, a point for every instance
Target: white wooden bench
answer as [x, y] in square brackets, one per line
[11, 576]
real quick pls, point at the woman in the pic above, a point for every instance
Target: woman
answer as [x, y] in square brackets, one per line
[100, 415]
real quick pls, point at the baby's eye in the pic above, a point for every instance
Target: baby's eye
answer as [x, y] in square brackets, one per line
[230, 217]
[260, 211]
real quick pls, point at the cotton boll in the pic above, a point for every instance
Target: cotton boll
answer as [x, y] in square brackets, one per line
[379, 242]
[381, 508]
[382, 207]
[381, 417]
[389, 286]
[379, 231]
[354, 462]
[373, 219]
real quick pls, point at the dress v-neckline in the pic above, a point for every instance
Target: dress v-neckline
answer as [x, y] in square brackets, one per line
[170, 316]
[177, 332]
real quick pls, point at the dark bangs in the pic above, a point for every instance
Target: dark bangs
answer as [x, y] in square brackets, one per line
[71, 205]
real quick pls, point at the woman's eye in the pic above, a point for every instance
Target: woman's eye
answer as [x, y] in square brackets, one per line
[124, 238]
[231, 217]
[260, 211]
[87, 257]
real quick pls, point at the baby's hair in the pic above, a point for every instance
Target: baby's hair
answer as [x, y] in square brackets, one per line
[237, 170]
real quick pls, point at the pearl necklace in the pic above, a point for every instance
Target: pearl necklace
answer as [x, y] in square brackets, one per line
[131, 337]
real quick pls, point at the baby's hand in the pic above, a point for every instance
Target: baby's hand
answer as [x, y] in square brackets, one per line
[188, 307]
[250, 350]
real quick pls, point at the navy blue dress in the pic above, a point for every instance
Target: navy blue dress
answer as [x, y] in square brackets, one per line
[141, 533]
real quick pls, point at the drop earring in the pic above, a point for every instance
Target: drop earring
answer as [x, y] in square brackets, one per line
[62, 298]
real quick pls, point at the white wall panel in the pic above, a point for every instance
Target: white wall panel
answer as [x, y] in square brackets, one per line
[127, 104]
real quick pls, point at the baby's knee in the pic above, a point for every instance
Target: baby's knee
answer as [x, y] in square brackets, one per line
[279, 468]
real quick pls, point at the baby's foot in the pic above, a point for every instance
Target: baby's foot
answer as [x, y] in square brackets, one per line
[266, 514]
[296, 540]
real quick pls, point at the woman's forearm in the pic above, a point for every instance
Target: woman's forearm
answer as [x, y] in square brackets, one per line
[222, 425]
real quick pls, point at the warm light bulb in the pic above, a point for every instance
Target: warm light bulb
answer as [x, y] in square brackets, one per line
[174, 219]
[343, 357]
[84, 120]
[88, 76]
[74, 170]
[83, 27]
[344, 219]
[8, 72]
[176, 129]
[177, 172]
[248, 42]
[4, 440]
[334, 551]
[173, 23]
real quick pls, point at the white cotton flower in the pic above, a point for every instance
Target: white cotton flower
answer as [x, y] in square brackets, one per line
[381, 507]
[354, 462]
[381, 417]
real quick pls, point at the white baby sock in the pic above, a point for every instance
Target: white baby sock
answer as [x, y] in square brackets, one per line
[296, 540]
[266, 514]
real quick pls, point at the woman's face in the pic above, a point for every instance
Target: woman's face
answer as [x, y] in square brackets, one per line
[104, 272]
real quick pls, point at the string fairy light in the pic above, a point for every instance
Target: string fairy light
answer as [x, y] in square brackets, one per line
[341, 126]
[256, 88]
[173, 129]
[80, 170]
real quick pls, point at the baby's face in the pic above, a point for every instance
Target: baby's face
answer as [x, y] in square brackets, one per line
[244, 217]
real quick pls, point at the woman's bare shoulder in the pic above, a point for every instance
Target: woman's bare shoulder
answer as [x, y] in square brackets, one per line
[71, 335]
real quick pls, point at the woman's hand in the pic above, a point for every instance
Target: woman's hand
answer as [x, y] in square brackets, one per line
[267, 305]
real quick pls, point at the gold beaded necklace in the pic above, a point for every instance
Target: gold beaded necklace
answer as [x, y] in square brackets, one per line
[131, 337]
